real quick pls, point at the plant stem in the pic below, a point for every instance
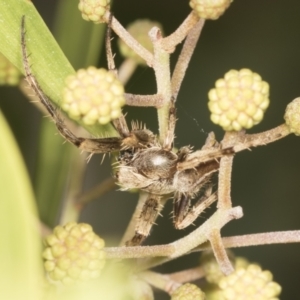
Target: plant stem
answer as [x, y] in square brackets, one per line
[220, 252]
[185, 57]
[130, 41]
[247, 141]
[163, 253]
[268, 238]
[144, 100]
[224, 184]
[197, 237]
[160, 281]
[187, 275]
[161, 66]
[139, 251]
[170, 42]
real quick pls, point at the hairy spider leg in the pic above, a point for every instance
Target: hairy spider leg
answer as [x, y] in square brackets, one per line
[92, 145]
[147, 217]
[192, 213]
[199, 178]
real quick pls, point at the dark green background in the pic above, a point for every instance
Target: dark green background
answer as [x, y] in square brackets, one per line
[261, 35]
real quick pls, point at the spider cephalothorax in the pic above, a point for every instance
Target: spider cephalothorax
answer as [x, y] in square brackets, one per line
[148, 164]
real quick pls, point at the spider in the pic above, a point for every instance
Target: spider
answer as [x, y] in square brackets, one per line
[146, 164]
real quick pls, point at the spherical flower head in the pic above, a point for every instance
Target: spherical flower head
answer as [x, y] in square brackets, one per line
[188, 291]
[249, 283]
[238, 100]
[139, 30]
[9, 74]
[93, 96]
[210, 9]
[94, 10]
[292, 116]
[74, 253]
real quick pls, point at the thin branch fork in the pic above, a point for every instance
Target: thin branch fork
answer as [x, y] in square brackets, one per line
[170, 282]
[163, 253]
[170, 42]
[129, 39]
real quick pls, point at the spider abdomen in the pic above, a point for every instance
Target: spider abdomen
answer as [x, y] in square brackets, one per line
[155, 163]
[150, 169]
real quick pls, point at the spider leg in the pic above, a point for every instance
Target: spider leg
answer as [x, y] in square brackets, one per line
[194, 159]
[101, 145]
[146, 219]
[188, 183]
[191, 214]
[119, 123]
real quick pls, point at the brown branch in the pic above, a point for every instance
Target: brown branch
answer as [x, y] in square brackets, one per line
[224, 183]
[220, 252]
[185, 57]
[246, 141]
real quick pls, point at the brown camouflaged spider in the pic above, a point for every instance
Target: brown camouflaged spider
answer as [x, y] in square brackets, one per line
[149, 165]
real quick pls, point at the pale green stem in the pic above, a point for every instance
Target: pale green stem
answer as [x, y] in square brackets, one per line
[256, 239]
[130, 40]
[161, 66]
[179, 247]
[160, 281]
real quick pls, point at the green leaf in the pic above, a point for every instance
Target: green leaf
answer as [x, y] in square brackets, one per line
[20, 246]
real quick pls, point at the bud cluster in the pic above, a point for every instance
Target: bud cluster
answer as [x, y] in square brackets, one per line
[93, 95]
[74, 252]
